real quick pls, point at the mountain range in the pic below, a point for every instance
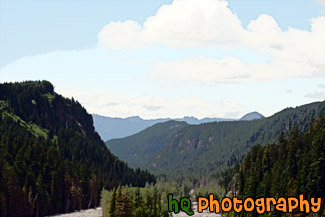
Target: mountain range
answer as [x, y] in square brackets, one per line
[206, 148]
[112, 128]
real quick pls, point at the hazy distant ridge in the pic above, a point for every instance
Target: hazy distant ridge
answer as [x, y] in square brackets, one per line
[252, 116]
[112, 128]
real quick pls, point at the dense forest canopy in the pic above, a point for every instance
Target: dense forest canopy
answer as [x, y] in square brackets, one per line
[293, 166]
[51, 158]
[145, 144]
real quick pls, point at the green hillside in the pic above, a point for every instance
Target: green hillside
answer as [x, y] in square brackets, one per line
[206, 148]
[51, 158]
[293, 166]
[139, 148]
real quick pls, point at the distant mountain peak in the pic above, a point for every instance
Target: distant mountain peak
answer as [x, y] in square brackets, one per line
[133, 118]
[252, 116]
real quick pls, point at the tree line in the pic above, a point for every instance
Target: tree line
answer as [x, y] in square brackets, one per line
[293, 166]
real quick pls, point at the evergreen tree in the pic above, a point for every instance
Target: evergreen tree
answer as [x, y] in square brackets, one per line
[112, 204]
[124, 206]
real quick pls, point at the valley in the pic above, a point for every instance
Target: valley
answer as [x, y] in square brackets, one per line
[52, 160]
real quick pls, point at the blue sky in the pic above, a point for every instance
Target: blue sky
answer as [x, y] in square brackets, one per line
[178, 58]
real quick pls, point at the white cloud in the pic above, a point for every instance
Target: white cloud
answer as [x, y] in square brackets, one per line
[191, 23]
[188, 23]
[289, 91]
[316, 95]
[320, 95]
[202, 69]
[229, 69]
[182, 23]
[122, 35]
[295, 54]
[89, 99]
[291, 45]
[149, 107]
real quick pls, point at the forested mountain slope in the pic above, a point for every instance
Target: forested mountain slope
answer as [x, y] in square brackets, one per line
[206, 148]
[51, 158]
[139, 148]
[293, 166]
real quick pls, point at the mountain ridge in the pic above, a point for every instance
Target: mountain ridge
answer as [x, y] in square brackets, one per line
[205, 148]
[113, 128]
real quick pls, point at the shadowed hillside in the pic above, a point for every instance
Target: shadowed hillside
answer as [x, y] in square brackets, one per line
[51, 158]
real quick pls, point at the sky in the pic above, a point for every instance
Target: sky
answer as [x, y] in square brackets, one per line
[169, 58]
